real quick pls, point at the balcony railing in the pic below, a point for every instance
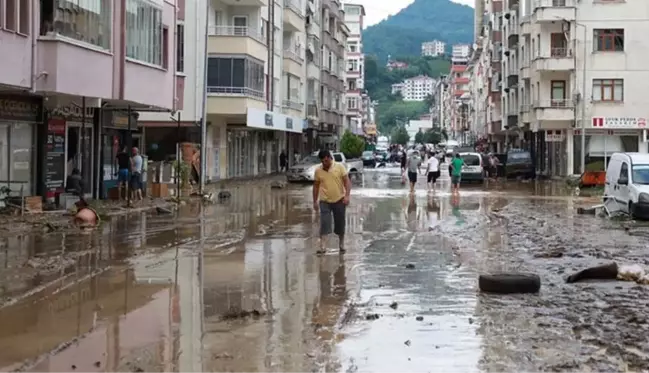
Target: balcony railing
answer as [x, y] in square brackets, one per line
[553, 3]
[291, 104]
[525, 108]
[243, 31]
[554, 103]
[294, 6]
[312, 108]
[295, 53]
[560, 52]
[235, 91]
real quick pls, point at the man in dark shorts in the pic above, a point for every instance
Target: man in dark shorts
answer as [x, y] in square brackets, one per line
[432, 171]
[413, 164]
[123, 161]
[331, 187]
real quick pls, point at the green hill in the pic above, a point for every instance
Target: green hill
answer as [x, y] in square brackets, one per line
[423, 20]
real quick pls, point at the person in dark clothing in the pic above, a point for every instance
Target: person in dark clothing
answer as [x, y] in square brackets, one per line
[123, 161]
[282, 161]
[74, 183]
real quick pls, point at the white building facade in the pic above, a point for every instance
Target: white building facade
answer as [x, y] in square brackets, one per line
[460, 53]
[355, 75]
[416, 88]
[433, 48]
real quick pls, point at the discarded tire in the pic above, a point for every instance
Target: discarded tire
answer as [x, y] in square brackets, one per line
[509, 283]
[603, 272]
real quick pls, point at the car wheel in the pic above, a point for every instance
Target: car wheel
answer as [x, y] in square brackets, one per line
[632, 211]
[509, 283]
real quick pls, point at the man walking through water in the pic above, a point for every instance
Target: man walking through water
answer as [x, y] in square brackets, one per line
[332, 187]
[413, 164]
[456, 173]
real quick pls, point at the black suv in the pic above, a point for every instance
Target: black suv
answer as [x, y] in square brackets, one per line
[519, 163]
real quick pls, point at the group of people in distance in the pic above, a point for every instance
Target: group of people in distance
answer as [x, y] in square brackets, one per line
[411, 167]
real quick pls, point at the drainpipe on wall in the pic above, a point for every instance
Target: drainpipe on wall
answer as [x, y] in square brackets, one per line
[122, 48]
[32, 83]
[173, 67]
[271, 55]
[203, 154]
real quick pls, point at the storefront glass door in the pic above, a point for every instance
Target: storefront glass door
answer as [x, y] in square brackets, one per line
[16, 157]
[79, 153]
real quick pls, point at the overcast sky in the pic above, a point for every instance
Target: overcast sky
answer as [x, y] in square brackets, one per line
[377, 10]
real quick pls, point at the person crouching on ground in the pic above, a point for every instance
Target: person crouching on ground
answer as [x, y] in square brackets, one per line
[413, 164]
[331, 189]
[74, 183]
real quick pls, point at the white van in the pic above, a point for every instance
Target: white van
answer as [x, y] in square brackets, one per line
[627, 184]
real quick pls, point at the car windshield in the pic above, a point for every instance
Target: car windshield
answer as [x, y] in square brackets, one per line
[471, 159]
[518, 157]
[368, 154]
[338, 157]
[641, 174]
[311, 159]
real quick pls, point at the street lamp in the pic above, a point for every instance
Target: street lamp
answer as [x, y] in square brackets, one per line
[582, 166]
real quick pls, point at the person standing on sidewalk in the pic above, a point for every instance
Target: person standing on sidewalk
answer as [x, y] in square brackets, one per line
[282, 161]
[331, 189]
[123, 165]
[136, 174]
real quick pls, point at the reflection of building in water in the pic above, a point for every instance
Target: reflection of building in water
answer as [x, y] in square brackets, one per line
[268, 275]
[43, 321]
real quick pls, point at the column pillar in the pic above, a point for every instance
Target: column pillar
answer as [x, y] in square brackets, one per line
[643, 147]
[223, 149]
[570, 159]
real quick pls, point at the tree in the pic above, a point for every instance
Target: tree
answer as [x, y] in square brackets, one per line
[391, 114]
[351, 145]
[400, 136]
[429, 100]
[419, 137]
[433, 136]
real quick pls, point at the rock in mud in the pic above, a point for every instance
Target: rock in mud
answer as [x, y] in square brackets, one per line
[372, 316]
[234, 313]
[278, 184]
[603, 272]
[419, 318]
[410, 266]
[394, 305]
[550, 254]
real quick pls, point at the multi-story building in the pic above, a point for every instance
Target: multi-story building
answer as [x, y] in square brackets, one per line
[355, 74]
[460, 53]
[570, 88]
[433, 48]
[73, 77]
[416, 88]
[256, 75]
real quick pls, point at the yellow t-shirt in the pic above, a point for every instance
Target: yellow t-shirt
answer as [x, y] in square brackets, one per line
[332, 182]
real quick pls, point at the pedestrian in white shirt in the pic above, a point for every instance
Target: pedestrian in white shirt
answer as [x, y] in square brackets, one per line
[432, 171]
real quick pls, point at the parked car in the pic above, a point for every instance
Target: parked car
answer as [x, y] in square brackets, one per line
[305, 169]
[627, 184]
[519, 163]
[473, 169]
[368, 158]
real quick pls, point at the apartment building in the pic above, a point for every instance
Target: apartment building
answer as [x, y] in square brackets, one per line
[256, 71]
[572, 84]
[460, 53]
[416, 88]
[73, 76]
[433, 48]
[356, 109]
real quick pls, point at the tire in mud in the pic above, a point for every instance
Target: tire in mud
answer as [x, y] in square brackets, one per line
[509, 283]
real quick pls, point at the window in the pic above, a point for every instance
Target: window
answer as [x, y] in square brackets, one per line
[24, 17]
[144, 31]
[352, 65]
[10, 12]
[293, 88]
[88, 21]
[235, 75]
[624, 171]
[352, 103]
[165, 47]
[180, 48]
[558, 93]
[353, 11]
[609, 40]
[608, 90]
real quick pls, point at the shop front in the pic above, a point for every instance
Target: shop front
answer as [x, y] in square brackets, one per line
[118, 131]
[19, 119]
[605, 136]
[254, 148]
[69, 146]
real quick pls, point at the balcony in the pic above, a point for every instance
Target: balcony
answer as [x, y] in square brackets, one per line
[552, 10]
[525, 25]
[513, 4]
[554, 110]
[312, 110]
[237, 40]
[559, 59]
[294, 18]
[525, 115]
[525, 71]
[512, 40]
[233, 100]
[293, 108]
[293, 60]
[512, 78]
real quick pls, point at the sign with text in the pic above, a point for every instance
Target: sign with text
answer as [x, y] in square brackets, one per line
[55, 158]
[20, 108]
[619, 122]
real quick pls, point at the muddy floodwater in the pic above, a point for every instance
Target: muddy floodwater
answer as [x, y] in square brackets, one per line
[237, 286]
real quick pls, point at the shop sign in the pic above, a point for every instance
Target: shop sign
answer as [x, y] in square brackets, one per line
[619, 122]
[55, 158]
[289, 123]
[73, 113]
[554, 136]
[119, 120]
[18, 108]
[268, 119]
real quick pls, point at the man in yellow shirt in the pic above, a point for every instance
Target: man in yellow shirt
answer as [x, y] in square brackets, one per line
[332, 186]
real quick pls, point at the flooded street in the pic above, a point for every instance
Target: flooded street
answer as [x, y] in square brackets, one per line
[238, 287]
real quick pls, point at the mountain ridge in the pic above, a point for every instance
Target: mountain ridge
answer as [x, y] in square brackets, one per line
[423, 20]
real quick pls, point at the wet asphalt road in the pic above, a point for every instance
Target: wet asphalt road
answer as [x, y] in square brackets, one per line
[237, 287]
